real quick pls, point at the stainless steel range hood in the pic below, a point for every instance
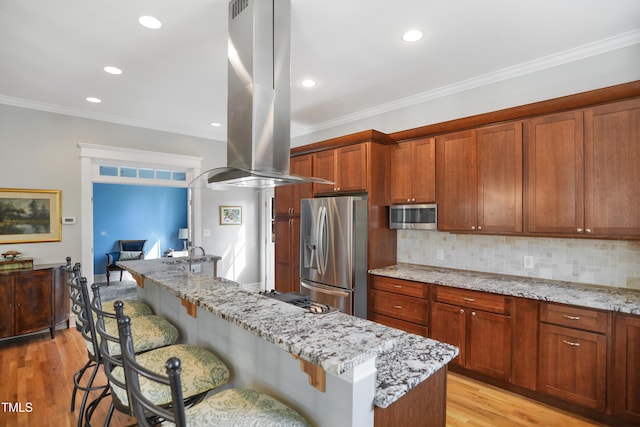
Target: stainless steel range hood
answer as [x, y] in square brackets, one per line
[258, 103]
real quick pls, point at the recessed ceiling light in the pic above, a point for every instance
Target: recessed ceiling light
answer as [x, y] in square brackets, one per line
[412, 36]
[112, 70]
[215, 124]
[94, 100]
[308, 83]
[150, 22]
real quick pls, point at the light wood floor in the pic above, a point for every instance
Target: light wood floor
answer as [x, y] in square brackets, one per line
[38, 371]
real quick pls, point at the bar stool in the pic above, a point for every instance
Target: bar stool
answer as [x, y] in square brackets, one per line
[209, 371]
[132, 308]
[232, 407]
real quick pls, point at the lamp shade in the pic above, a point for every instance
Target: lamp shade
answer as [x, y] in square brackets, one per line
[183, 233]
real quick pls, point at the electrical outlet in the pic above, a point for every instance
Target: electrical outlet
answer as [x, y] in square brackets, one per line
[440, 254]
[196, 268]
[528, 262]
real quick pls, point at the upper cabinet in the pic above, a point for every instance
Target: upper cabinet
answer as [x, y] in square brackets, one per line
[412, 172]
[582, 172]
[555, 174]
[345, 166]
[479, 180]
[612, 169]
[287, 198]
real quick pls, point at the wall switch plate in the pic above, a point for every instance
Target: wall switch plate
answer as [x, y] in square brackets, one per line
[528, 262]
[206, 232]
[440, 254]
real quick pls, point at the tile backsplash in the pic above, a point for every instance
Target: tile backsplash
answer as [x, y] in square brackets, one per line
[600, 262]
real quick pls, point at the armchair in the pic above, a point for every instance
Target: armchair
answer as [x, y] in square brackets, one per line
[129, 250]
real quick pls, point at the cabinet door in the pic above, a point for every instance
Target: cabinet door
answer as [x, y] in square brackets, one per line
[6, 306]
[627, 368]
[423, 180]
[489, 344]
[554, 174]
[573, 365]
[324, 166]
[401, 174]
[500, 178]
[352, 168]
[457, 182]
[612, 174]
[287, 197]
[33, 301]
[448, 325]
[287, 254]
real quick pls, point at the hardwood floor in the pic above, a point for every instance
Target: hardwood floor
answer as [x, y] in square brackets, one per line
[37, 373]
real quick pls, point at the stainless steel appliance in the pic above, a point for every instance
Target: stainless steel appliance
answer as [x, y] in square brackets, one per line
[414, 217]
[333, 252]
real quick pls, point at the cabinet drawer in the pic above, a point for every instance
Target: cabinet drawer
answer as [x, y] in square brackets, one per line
[399, 324]
[472, 299]
[404, 287]
[399, 306]
[574, 317]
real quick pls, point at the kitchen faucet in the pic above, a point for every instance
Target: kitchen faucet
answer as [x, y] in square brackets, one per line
[192, 252]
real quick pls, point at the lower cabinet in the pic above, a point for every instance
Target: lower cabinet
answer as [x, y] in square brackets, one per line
[573, 354]
[32, 300]
[626, 371]
[483, 335]
[399, 303]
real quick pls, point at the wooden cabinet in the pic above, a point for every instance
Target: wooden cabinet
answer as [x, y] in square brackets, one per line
[345, 166]
[32, 300]
[479, 324]
[479, 180]
[626, 371]
[582, 172]
[287, 197]
[412, 172]
[287, 254]
[612, 174]
[573, 354]
[399, 303]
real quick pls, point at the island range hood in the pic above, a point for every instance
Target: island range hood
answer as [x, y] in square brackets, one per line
[258, 102]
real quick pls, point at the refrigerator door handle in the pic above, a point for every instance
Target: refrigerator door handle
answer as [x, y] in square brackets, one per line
[321, 233]
[325, 290]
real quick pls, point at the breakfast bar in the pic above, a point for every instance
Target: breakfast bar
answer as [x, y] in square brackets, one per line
[335, 369]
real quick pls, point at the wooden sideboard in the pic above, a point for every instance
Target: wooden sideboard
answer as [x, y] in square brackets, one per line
[33, 300]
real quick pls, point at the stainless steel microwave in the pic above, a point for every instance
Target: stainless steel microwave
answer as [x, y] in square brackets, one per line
[413, 217]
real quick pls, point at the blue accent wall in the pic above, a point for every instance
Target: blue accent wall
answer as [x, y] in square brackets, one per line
[123, 212]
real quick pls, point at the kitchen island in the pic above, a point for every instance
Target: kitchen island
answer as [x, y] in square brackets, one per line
[335, 369]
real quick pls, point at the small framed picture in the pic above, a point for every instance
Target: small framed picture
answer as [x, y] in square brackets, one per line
[230, 215]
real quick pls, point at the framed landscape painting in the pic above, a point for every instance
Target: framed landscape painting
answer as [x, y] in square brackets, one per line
[29, 216]
[230, 215]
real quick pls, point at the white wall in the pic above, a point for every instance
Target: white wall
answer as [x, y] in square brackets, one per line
[38, 150]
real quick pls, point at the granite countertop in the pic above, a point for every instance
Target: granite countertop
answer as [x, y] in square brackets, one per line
[336, 341]
[590, 296]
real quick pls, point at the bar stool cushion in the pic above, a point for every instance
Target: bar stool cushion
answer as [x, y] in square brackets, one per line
[149, 332]
[202, 371]
[241, 407]
[135, 308]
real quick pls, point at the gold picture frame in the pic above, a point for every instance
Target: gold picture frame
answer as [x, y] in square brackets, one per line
[230, 215]
[29, 216]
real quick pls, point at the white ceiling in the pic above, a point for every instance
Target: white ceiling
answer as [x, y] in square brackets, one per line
[52, 54]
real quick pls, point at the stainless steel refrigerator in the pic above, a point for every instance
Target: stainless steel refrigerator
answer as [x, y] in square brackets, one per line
[333, 252]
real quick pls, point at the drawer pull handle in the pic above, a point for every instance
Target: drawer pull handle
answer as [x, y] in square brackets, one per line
[461, 311]
[469, 299]
[575, 344]
[397, 306]
[397, 286]
[566, 316]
